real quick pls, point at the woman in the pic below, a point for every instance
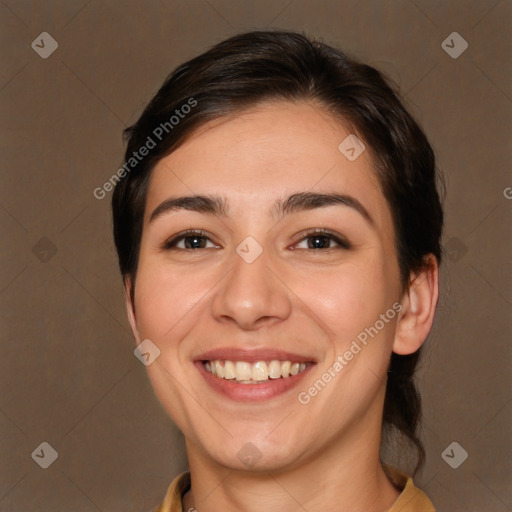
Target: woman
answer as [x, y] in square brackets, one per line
[278, 229]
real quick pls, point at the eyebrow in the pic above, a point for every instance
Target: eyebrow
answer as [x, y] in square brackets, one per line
[309, 201]
[211, 205]
[302, 201]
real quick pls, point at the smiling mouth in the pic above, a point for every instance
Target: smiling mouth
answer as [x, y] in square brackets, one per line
[242, 372]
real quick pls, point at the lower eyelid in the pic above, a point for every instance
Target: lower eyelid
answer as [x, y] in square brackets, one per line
[181, 240]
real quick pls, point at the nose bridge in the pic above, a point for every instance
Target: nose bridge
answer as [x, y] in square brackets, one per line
[251, 294]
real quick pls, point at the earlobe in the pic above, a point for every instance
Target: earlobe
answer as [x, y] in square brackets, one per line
[130, 309]
[419, 305]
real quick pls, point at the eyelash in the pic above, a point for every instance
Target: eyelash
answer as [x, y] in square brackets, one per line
[171, 243]
[342, 242]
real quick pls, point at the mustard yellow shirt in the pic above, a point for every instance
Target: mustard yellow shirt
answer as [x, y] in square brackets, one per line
[411, 498]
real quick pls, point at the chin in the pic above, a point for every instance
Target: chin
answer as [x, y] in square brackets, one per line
[255, 456]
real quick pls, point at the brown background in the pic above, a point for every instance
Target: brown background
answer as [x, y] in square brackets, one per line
[67, 370]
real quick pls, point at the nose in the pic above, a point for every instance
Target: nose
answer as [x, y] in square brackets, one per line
[251, 296]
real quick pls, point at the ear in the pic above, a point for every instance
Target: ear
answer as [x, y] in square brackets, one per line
[418, 309]
[130, 309]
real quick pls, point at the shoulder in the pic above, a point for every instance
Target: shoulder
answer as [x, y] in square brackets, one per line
[411, 498]
[172, 501]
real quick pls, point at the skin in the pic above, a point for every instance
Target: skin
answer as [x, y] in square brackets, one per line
[314, 302]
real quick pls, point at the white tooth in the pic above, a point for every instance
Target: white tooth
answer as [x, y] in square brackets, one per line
[260, 371]
[285, 368]
[229, 370]
[219, 369]
[243, 370]
[274, 369]
[250, 373]
[294, 368]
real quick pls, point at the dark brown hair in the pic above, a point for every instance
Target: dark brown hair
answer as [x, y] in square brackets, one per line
[255, 67]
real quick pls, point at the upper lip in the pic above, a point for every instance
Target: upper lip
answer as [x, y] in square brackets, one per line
[251, 356]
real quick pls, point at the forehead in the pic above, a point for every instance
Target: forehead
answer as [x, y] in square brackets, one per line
[265, 153]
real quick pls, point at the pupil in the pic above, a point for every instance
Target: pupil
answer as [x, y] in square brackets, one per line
[318, 242]
[194, 242]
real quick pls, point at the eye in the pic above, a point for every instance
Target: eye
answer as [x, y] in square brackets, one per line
[190, 240]
[322, 239]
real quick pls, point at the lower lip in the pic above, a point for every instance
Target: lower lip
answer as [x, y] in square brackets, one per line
[252, 392]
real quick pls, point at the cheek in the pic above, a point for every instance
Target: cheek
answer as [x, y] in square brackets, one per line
[348, 298]
[166, 298]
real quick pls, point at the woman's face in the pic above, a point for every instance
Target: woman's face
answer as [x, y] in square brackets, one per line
[263, 246]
